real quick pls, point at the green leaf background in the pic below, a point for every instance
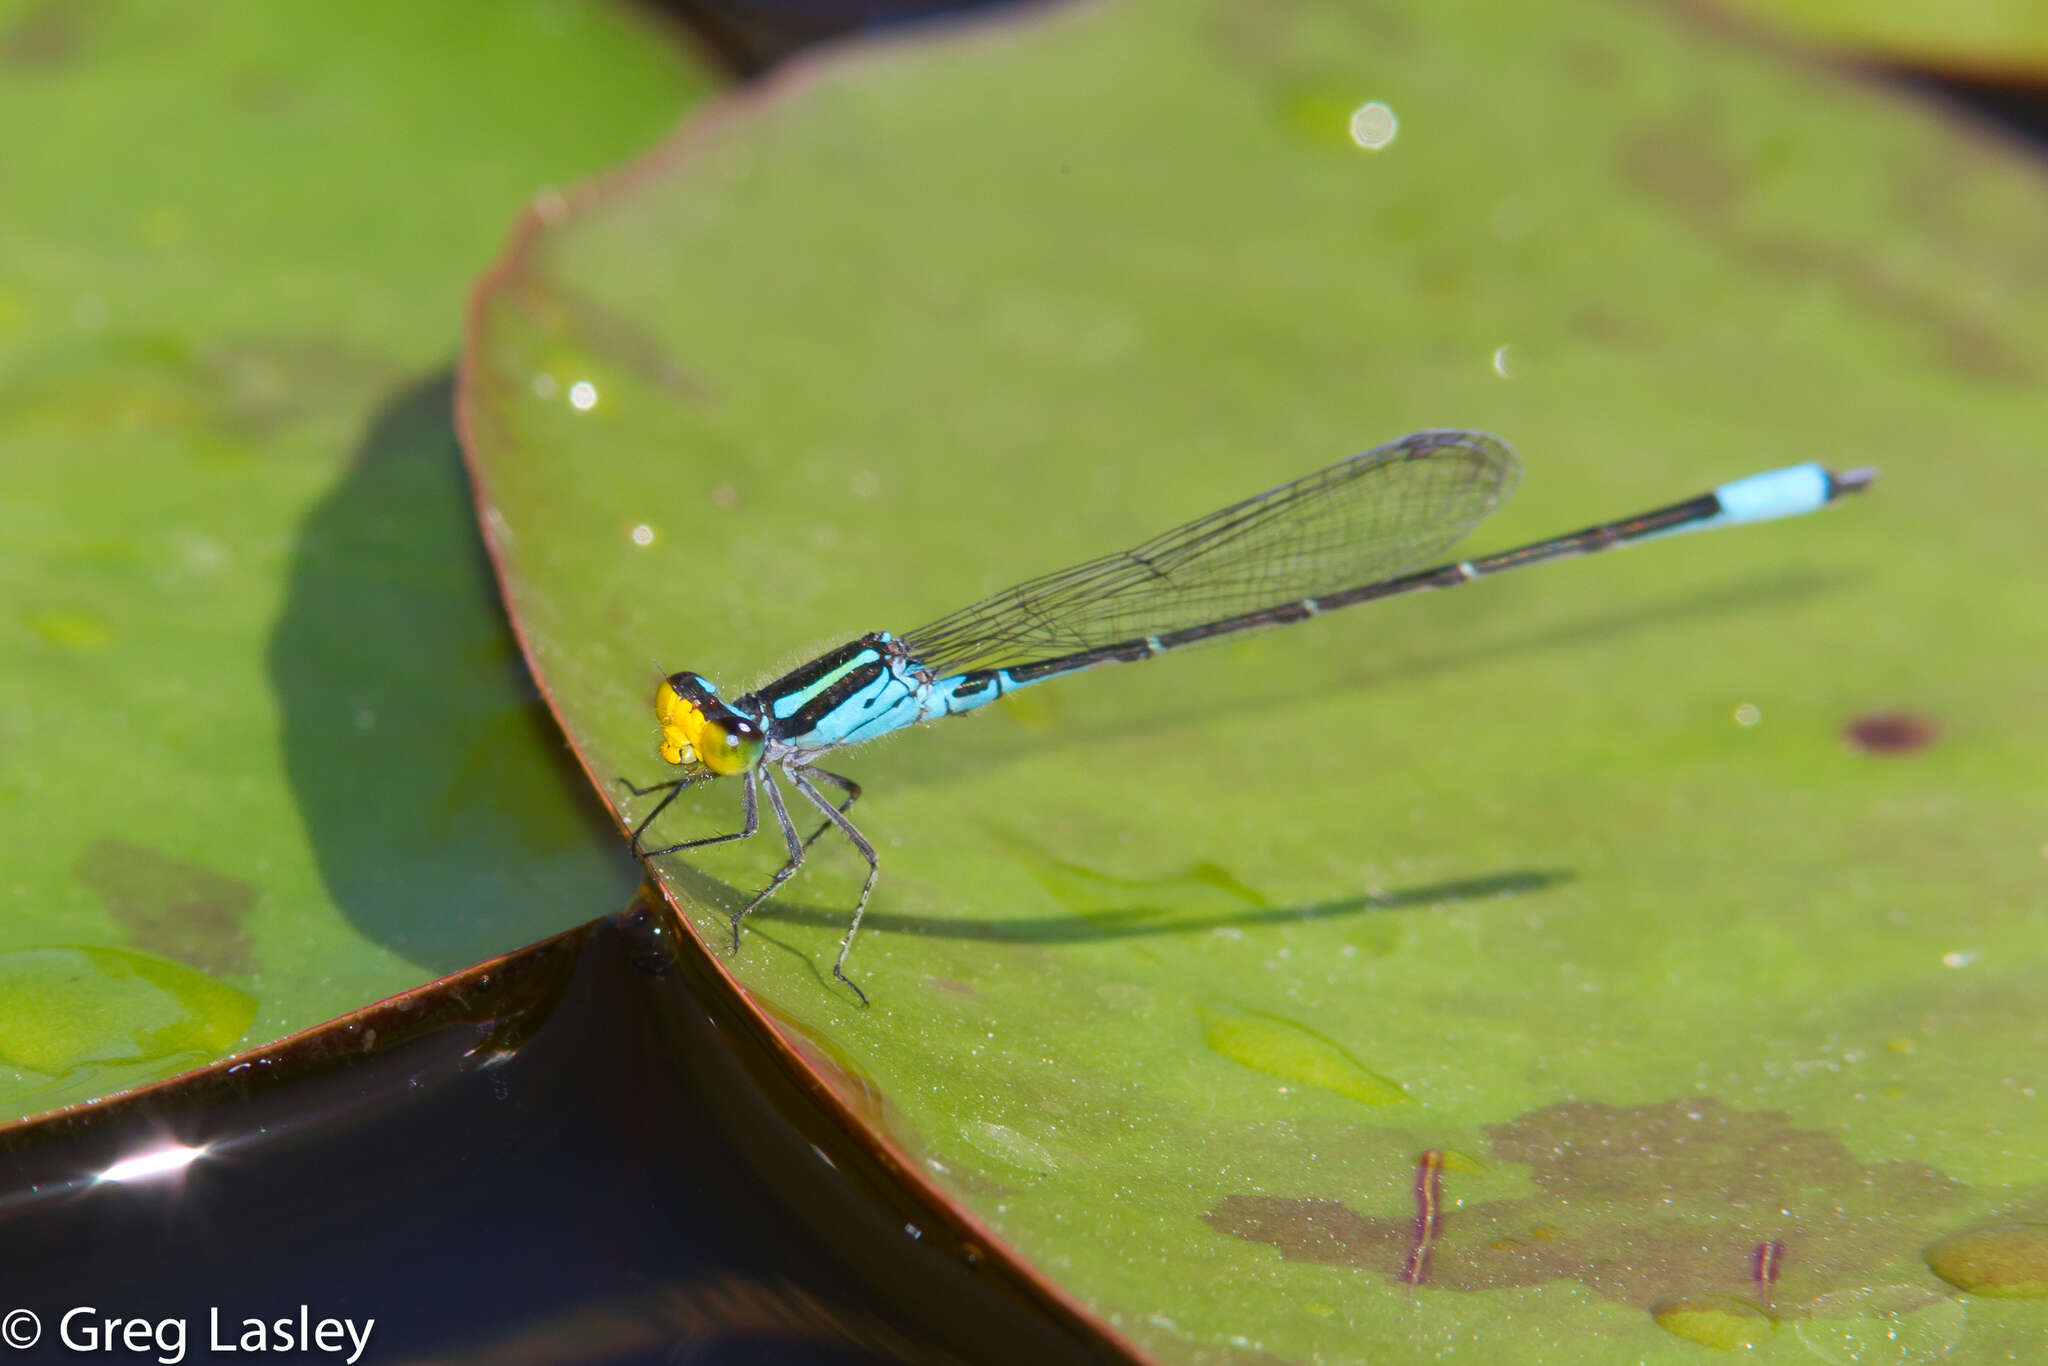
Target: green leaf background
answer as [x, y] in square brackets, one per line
[270, 752]
[1178, 971]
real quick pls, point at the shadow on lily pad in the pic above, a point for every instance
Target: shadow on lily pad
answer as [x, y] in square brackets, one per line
[449, 818]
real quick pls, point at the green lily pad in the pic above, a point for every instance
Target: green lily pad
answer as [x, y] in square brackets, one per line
[270, 752]
[1693, 896]
[1991, 39]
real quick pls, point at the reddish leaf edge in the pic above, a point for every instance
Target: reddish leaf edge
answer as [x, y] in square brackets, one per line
[850, 1100]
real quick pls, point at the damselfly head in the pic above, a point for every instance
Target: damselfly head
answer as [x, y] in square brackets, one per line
[698, 728]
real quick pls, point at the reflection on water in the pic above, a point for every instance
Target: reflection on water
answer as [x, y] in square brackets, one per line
[571, 1154]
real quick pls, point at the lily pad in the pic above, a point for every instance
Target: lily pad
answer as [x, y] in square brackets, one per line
[270, 751]
[1715, 999]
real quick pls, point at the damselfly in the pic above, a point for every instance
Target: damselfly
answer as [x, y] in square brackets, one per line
[1344, 535]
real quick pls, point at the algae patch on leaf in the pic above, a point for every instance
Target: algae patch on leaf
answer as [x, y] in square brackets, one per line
[62, 1008]
[2010, 1260]
[1272, 1044]
[1716, 1321]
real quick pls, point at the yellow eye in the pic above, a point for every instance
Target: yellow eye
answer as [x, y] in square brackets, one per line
[721, 751]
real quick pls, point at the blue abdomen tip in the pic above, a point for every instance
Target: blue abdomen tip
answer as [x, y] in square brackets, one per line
[1788, 492]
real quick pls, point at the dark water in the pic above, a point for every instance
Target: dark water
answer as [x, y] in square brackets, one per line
[749, 36]
[572, 1160]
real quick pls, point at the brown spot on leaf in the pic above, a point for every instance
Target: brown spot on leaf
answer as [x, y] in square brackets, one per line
[1593, 1156]
[48, 36]
[1676, 165]
[257, 386]
[1890, 732]
[247, 389]
[1971, 347]
[1594, 67]
[170, 907]
[1275, 41]
[573, 319]
[1312, 1230]
[1604, 327]
[1642, 1205]
[1945, 191]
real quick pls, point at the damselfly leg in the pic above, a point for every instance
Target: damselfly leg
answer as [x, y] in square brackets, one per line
[749, 825]
[844, 784]
[837, 816]
[789, 839]
[674, 787]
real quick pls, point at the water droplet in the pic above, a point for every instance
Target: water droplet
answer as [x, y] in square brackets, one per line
[583, 395]
[1748, 714]
[643, 534]
[1007, 1145]
[1373, 126]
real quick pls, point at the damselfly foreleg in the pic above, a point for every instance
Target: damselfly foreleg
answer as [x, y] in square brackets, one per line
[752, 824]
[674, 787]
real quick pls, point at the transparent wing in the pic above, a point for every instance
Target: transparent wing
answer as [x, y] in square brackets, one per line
[1361, 520]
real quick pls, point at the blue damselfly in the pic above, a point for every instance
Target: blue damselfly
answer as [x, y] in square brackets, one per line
[1344, 535]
